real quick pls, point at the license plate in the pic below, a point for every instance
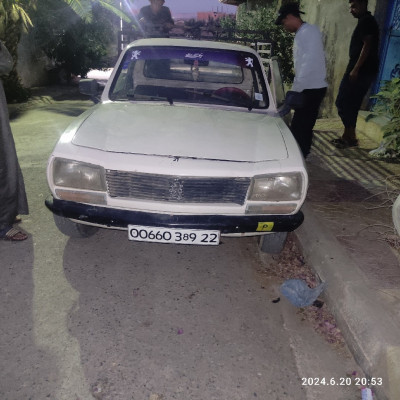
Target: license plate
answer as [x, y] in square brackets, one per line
[171, 235]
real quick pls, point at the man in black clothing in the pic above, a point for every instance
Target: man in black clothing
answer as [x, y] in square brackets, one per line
[360, 72]
[156, 19]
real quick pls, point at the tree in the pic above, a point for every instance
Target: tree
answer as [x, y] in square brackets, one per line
[263, 19]
[193, 28]
[73, 45]
[84, 8]
[15, 19]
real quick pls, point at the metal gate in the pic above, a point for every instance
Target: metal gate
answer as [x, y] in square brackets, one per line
[390, 53]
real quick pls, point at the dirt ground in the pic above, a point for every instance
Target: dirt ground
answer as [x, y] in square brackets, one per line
[290, 264]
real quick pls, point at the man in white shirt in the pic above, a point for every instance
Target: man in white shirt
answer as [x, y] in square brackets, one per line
[310, 73]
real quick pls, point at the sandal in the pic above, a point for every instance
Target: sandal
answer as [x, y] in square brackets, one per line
[341, 143]
[14, 235]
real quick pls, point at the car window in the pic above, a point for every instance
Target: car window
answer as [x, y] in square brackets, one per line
[193, 70]
[191, 75]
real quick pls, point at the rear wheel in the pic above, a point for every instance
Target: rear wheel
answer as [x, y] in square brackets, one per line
[273, 243]
[72, 229]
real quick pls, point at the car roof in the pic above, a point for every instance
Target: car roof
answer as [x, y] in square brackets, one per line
[191, 43]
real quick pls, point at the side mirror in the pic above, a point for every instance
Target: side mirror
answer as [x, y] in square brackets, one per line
[89, 87]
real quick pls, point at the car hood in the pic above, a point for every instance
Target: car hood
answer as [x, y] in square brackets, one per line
[182, 131]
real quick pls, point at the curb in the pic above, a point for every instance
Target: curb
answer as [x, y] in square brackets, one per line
[370, 331]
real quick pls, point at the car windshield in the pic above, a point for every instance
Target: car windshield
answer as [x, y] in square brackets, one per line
[190, 75]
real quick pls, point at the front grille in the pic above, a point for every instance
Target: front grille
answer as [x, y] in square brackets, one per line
[176, 189]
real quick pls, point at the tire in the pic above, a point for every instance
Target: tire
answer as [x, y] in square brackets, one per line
[273, 243]
[72, 229]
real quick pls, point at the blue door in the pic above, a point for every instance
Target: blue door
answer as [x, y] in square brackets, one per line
[390, 54]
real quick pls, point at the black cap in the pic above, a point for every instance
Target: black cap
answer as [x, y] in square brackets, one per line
[286, 9]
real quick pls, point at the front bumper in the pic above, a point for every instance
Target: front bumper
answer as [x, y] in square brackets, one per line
[226, 224]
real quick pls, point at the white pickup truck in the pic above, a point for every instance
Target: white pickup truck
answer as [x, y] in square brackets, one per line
[186, 144]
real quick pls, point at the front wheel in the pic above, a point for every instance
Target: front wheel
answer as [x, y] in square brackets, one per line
[72, 229]
[273, 243]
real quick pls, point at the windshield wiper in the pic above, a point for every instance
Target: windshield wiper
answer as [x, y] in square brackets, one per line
[211, 95]
[131, 96]
[205, 93]
[236, 102]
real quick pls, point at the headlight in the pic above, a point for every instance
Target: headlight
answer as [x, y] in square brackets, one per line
[277, 187]
[78, 175]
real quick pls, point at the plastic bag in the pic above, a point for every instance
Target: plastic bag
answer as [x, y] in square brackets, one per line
[299, 293]
[6, 61]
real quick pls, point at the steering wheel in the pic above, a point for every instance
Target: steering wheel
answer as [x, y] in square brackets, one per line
[233, 94]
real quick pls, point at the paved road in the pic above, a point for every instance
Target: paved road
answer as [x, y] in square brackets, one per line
[109, 319]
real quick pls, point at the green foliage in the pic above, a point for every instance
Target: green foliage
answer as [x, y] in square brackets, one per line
[227, 23]
[58, 24]
[15, 11]
[84, 8]
[74, 45]
[14, 20]
[193, 28]
[14, 91]
[388, 104]
[262, 18]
